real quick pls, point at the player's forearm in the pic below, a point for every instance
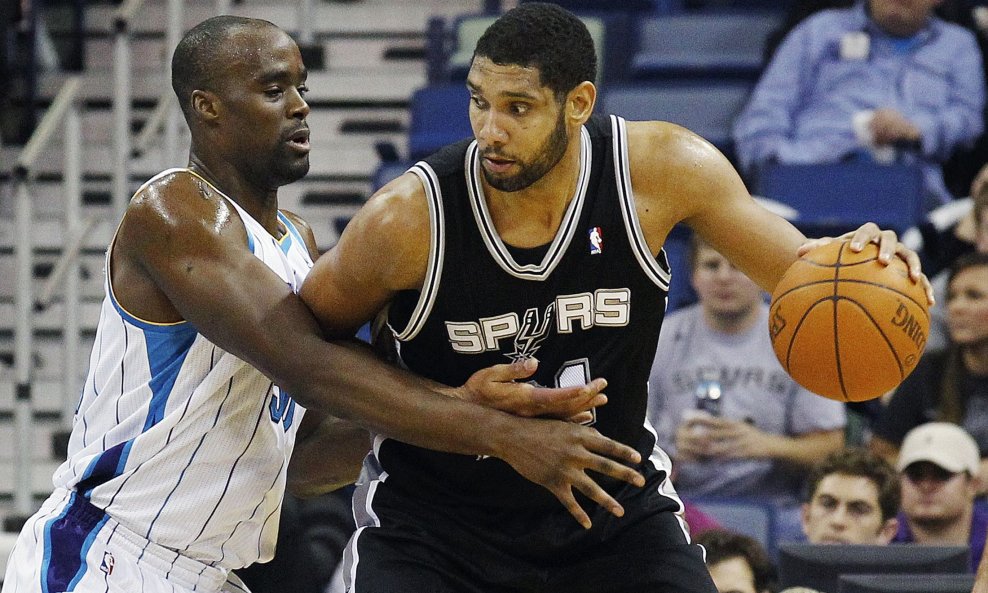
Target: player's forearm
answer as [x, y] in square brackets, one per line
[347, 380]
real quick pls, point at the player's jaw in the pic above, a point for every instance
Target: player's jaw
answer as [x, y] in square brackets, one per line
[510, 173]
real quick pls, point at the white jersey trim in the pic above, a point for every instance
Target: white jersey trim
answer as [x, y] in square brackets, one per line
[437, 251]
[567, 227]
[656, 268]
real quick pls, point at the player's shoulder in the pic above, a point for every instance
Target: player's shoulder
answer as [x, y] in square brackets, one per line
[178, 202]
[659, 151]
[177, 190]
[396, 219]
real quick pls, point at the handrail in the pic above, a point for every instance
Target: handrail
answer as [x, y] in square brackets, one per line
[125, 13]
[64, 108]
[154, 124]
[47, 127]
[70, 251]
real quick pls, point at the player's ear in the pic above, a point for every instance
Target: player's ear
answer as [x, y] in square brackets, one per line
[205, 105]
[580, 102]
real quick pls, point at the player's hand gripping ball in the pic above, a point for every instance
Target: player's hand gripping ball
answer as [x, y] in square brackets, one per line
[845, 326]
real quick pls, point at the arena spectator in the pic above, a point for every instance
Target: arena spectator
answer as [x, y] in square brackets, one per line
[880, 81]
[852, 498]
[754, 432]
[737, 563]
[949, 385]
[939, 466]
[949, 232]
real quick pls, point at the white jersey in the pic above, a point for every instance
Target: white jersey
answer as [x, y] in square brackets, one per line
[178, 440]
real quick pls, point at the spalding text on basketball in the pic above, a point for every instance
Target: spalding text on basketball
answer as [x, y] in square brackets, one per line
[905, 320]
[778, 322]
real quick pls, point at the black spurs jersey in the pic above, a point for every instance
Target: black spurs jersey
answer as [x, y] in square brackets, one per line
[589, 304]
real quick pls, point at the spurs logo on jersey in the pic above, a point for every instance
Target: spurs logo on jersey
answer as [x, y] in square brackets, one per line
[604, 307]
[532, 333]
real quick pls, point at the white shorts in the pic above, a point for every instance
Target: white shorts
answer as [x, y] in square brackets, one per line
[70, 545]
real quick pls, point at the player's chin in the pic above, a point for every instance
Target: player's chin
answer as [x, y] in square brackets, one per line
[292, 170]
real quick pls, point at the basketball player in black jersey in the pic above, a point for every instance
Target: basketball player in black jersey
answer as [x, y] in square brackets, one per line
[539, 239]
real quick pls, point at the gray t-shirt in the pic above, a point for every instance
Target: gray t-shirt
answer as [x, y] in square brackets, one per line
[754, 388]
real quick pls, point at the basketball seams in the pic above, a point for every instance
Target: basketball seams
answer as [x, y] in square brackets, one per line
[881, 332]
[840, 351]
[814, 283]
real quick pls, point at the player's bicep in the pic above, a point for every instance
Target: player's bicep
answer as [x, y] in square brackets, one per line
[202, 264]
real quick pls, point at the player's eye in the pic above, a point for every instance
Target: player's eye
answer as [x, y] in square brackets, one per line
[273, 92]
[303, 90]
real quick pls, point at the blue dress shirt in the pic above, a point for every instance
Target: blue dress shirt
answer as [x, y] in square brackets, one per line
[802, 108]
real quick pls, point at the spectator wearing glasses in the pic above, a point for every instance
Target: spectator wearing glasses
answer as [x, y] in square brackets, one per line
[939, 467]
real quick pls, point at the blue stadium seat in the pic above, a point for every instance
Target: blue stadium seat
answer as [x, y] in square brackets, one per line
[387, 171]
[467, 29]
[439, 116]
[752, 518]
[707, 107]
[702, 44]
[837, 197]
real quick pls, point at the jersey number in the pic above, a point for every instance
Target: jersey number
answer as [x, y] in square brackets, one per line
[574, 373]
[282, 408]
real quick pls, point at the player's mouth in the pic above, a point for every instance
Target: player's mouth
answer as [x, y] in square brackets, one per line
[497, 165]
[299, 140]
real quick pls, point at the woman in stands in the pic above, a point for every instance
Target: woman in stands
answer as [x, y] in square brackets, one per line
[949, 385]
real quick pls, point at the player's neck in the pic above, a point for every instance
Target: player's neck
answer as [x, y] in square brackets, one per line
[531, 217]
[261, 204]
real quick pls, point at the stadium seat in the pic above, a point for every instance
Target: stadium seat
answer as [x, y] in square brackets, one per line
[702, 44]
[467, 29]
[387, 171]
[752, 518]
[439, 116]
[707, 107]
[837, 197]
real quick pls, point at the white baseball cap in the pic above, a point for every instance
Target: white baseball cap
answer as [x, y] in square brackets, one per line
[942, 443]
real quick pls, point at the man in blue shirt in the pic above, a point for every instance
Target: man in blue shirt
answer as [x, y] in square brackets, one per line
[884, 80]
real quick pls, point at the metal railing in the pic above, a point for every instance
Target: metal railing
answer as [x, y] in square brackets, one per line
[65, 109]
[63, 119]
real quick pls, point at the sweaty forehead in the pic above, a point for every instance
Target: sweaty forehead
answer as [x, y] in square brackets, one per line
[254, 48]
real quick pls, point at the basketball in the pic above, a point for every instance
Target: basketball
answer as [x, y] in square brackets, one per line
[845, 326]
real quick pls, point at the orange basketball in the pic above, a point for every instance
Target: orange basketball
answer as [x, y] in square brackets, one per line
[845, 326]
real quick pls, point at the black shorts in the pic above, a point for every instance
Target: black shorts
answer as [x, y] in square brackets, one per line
[422, 547]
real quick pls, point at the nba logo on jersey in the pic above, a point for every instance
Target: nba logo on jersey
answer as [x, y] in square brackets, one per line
[596, 241]
[107, 564]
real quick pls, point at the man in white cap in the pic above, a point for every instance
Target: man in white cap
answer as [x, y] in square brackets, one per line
[939, 466]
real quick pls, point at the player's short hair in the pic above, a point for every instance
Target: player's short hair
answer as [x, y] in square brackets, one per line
[722, 544]
[197, 63]
[859, 462]
[543, 36]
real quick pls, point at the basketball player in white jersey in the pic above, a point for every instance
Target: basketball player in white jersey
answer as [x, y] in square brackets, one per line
[180, 447]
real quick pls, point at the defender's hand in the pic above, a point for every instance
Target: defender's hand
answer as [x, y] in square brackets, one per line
[888, 247]
[503, 387]
[557, 455]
